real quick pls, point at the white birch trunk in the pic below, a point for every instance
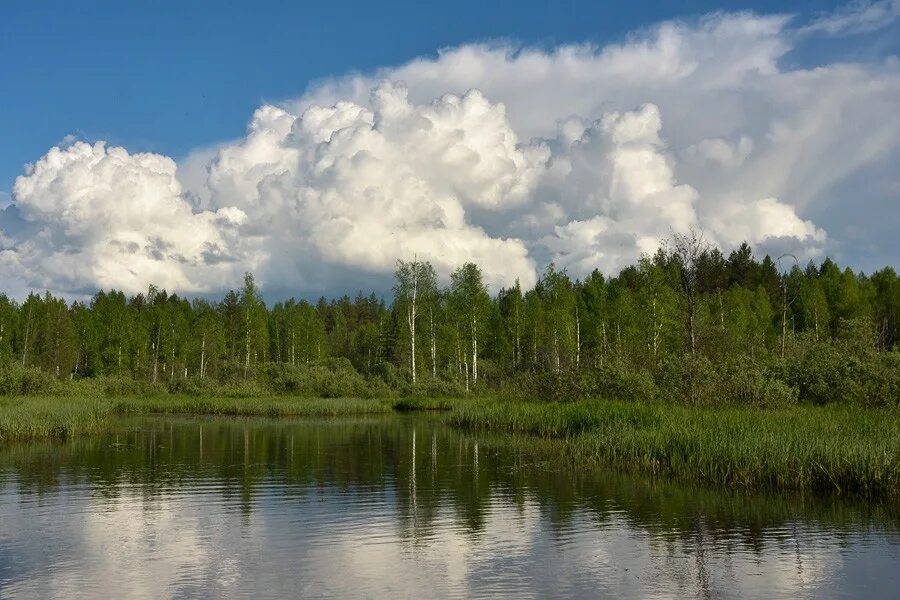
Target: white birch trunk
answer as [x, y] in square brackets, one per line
[577, 339]
[247, 345]
[474, 351]
[411, 319]
[202, 357]
[27, 331]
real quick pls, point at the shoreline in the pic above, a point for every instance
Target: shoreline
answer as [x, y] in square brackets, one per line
[842, 449]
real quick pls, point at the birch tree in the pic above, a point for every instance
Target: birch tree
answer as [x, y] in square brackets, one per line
[688, 250]
[254, 328]
[8, 317]
[511, 307]
[469, 299]
[558, 296]
[415, 285]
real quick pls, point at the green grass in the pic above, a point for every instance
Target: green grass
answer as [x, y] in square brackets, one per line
[276, 406]
[836, 448]
[35, 418]
[29, 418]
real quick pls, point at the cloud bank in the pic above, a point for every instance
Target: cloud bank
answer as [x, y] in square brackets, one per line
[509, 157]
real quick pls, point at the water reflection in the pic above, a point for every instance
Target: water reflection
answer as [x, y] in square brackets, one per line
[403, 506]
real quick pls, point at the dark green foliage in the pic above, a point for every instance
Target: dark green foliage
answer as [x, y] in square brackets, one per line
[843, 371]
[16, 380]
[738, 381]
[686, 326]
[611, 381]
[436, 387]
[839, 449]
[331, 378]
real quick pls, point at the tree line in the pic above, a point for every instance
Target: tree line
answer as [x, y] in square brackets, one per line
[687, 304]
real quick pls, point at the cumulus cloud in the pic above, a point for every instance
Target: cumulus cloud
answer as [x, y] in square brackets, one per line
[101, 216]
[625, 195]
[357, 187]
[502, 155]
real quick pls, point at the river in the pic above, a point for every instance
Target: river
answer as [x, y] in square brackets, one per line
[404, 506]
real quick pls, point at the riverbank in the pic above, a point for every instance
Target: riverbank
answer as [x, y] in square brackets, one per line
[40, 417]
[840, 449]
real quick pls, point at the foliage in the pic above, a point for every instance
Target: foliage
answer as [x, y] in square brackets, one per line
[840, 449]
[687, 325]
[16, 380]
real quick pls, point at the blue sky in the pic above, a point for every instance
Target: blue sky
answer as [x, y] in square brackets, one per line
[182, 143]
[169, 76]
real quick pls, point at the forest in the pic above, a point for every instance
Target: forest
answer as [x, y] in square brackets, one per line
[688, 324]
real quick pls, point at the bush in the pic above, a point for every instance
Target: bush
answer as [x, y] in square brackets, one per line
[745, 382]
[331, 378]
[198, 387]
[690, 380]
[436, 387]
[16, 380]
[612, 381]
[389, 374]
[116, 387]
[883, 382]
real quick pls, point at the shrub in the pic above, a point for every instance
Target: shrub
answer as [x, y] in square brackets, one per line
[16, 380]
[331, 378]
[612, 381]
[116, 387]
[436, 387]
[691, 380]
[198, 387]
[389, 374]
[746, 382]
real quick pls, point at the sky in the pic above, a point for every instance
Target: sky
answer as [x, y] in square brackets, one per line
[182, 144]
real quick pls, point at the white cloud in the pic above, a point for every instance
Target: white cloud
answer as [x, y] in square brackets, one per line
[104, 217]
[625, 195]
[860, 16]
[540, 87]
[354, 187]
[502, 155]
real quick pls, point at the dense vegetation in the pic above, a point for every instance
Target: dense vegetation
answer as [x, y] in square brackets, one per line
[688, 325]
[28, 418]
[843, 449]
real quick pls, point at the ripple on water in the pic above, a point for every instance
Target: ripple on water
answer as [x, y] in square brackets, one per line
[342, 508]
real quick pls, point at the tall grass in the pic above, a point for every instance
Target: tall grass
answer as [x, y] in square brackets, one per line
[277, 406]
[35, 418]
[842, 449]
[29, 418]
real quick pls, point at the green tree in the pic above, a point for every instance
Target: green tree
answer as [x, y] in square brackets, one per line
[469, 302]
[415, 285]
[254, 330]
[9, 317]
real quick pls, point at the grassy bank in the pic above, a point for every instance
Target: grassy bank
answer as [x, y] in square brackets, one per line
[28, 418]
[837, 448]
[843, 449]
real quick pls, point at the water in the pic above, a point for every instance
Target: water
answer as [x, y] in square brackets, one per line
[403, 506]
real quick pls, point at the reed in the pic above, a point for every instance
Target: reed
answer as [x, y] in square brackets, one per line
[29, 417]
[844, 449]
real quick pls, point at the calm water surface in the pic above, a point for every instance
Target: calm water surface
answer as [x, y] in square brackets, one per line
[403, 506]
